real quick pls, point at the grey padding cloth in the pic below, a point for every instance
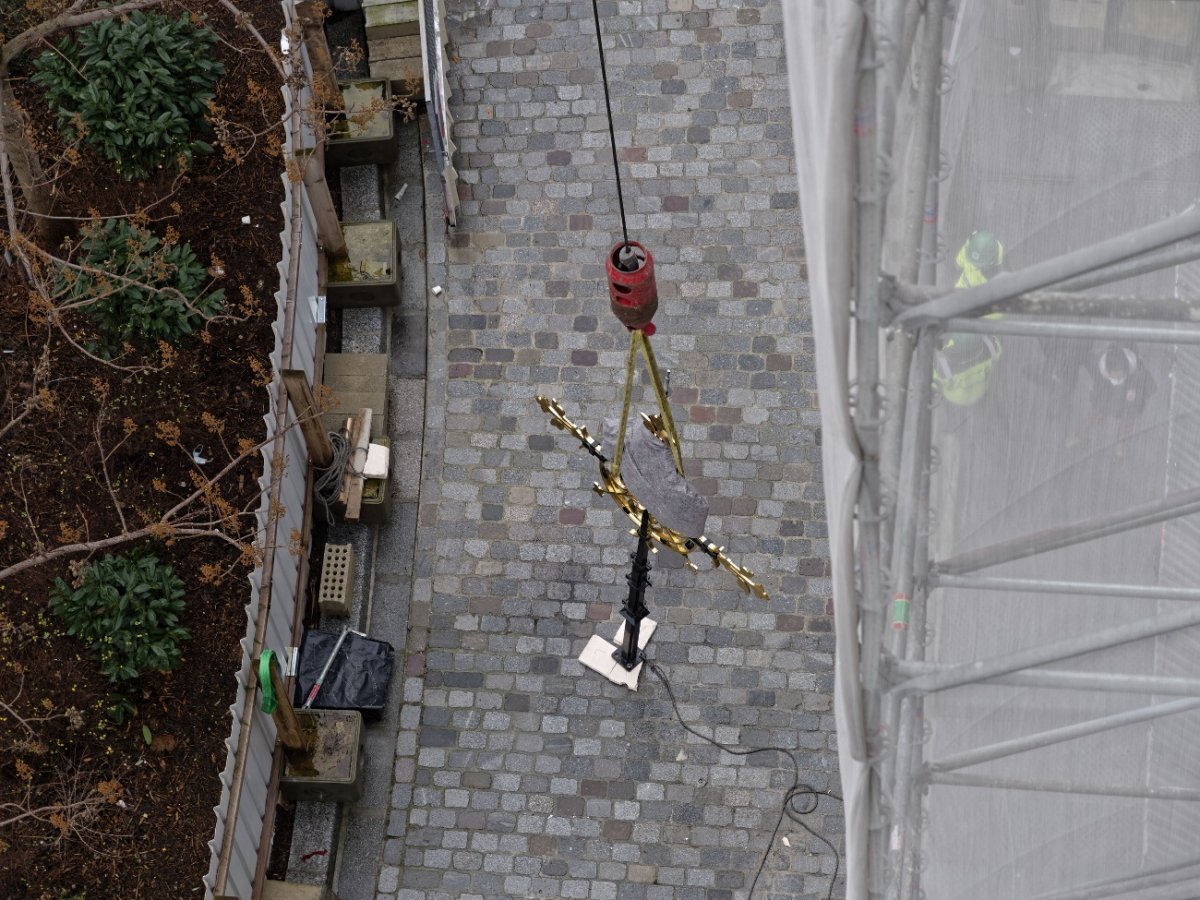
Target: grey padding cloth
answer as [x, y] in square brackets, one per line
[648, 470]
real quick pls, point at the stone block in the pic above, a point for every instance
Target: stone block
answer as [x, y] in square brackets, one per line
[336, 590]
[406, 47]
[391, 20]
[403, 73]
[357, 364]
[288, 890]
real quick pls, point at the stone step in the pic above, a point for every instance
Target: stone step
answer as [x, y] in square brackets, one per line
[375, 364]
[357, 380]
[392, 20]
[357, 384]
[286, 890]
[404, 74]
[405, 47]
[348, 403]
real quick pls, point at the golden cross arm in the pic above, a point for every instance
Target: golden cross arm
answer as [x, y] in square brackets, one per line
[611, 485]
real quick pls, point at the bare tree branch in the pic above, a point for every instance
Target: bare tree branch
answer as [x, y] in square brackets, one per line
[69, 19]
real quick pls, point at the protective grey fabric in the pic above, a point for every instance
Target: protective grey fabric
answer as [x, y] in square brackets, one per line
[822, 41]
[648, 470]
[1062, 123]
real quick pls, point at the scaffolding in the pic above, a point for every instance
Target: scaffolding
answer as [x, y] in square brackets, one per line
[1015, 578]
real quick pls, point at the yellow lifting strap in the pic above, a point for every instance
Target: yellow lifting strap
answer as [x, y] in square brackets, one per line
[639, 341]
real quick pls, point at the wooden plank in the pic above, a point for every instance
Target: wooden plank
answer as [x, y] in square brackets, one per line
[286, 721]
[301, 396]
[329, 230]
[351, 428]
[311, 14]
[358, 459]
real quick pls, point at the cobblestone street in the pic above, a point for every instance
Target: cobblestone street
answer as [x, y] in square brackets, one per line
[518, 772]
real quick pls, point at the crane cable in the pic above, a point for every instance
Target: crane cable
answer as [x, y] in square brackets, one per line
[611, 133]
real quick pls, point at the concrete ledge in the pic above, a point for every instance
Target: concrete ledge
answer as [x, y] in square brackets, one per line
[400, 72]
[374, 364]
[406, 47]
[391, 20]
[287, 890]
[357, 380]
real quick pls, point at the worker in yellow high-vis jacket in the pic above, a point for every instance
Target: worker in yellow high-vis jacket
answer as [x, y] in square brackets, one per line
[963, 362]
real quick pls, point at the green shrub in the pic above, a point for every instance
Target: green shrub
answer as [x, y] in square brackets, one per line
[127, 609]
[164, 302]
[134, 88]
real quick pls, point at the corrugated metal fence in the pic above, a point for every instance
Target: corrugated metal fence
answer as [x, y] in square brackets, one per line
[245, 779]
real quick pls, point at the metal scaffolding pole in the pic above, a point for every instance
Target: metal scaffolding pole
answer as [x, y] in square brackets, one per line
[1065, 298]
[1131, 883]
[1061, 303]
[1150, 262]
[1051, 736]
[1009, 325]
[1102, 682]
[921, 167]
[914, 455]
[1123, 307]
[984, 670]
[906, 445]
[1170, 507]
[1078, 262]
[1037, 586]
[912, 708]
[910, 545]
[1049, 786]
[868, 251]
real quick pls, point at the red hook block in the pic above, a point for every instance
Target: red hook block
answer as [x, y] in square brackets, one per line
[632, 292]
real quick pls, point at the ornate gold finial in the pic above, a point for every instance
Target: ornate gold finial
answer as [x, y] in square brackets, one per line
[610, 484]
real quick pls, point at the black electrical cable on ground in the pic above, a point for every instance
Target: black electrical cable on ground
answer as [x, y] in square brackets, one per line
[794, 793]
[611, 133]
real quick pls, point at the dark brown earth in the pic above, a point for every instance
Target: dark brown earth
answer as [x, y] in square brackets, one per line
[146, 830]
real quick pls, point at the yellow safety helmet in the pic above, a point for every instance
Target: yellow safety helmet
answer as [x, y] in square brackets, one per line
[978, 259]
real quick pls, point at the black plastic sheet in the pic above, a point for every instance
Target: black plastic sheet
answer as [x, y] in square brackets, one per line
[358, 678]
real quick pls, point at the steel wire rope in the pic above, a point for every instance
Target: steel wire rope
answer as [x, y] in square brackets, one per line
[328, 480]
[612, 136]
[789, 807]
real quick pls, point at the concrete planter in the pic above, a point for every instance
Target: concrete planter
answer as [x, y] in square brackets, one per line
[333, 770]
[365, 132]
[370, 273]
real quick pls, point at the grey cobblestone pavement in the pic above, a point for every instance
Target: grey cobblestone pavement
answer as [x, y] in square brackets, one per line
[518, 772]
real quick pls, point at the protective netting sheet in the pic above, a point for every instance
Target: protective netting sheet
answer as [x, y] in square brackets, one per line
[1059, 124]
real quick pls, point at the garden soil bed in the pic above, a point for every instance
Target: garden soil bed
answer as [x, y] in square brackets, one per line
[157, 772]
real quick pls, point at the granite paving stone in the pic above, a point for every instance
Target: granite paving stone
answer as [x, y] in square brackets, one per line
[518, 772]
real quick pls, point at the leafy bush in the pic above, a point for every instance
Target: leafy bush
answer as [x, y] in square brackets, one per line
[134, 88]
[127, 609]
[144, 291]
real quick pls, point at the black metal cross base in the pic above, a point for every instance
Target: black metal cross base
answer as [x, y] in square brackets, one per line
[628, 655]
